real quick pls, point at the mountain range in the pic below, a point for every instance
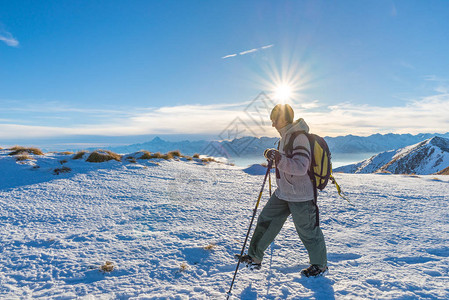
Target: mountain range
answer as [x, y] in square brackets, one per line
[430, 156]
[249, 146]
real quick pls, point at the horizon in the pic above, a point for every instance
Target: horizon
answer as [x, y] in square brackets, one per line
[110, 142]
[105, 70]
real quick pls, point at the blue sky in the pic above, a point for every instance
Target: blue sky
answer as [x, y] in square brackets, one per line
[136, 68]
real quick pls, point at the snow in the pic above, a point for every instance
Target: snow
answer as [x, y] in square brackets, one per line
[257, 169]
[171, 228]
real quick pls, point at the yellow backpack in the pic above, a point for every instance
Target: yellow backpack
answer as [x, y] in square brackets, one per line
[320, 171]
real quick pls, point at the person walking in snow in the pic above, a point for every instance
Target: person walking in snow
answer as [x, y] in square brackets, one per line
[294, 195]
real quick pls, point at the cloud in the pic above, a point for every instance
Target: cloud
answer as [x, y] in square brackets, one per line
[228, 56]
[8, 39]
[425, 115]
[183, 119]
[248, 51]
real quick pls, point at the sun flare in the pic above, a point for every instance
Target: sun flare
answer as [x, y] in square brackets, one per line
[283, 93]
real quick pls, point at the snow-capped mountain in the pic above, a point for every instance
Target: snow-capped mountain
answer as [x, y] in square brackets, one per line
[237, 147]
[248, 146]
[376, 143]
[427, 157]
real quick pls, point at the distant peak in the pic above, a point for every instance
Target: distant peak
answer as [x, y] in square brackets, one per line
[157, 139]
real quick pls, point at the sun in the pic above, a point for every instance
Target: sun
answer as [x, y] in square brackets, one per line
[283, 92]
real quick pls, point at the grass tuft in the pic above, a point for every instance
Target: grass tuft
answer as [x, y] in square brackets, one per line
[58, 171]
[108, 266]
[103, 155]
[146, 155]
[18, 150]
[157, 155]
[65, 153]
[175, 153]
[208, 159]
[184, 266]
[167, 156]
[79, 154]
[211, 246]
[196, 155]
[22, 157]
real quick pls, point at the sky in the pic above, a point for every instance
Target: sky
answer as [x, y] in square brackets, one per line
[91, 70]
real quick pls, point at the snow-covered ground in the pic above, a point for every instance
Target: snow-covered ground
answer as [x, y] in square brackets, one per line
[171, 229]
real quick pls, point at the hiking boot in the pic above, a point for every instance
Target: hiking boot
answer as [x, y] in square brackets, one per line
[250, 263]
[314, 271]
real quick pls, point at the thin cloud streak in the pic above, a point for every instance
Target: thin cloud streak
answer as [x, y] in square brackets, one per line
[8, 39]
[248, 51]
[228, 56]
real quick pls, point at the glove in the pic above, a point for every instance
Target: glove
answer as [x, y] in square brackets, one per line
[272, 154]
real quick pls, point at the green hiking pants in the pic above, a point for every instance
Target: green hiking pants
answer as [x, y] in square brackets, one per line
[273, 217]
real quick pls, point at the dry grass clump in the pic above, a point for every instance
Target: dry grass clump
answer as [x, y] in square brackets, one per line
[413, 175]
[184, 266]
[170, 155]
[79, 154]
[196, 155]
[383, 172]
[444, 172]
[18, 150]
[108, 266]
[175, 153]
[146, 155]
[65, 153]
[131, 160]
[167, 156]
[157, 155]
[103, 155]
[211, 246]
[208, 159]
[61, 170]
[22, 157]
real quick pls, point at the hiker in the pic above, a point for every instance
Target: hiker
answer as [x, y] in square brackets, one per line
[294, 195]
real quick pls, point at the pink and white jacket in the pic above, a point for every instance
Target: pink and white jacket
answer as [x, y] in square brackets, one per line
[293, 182]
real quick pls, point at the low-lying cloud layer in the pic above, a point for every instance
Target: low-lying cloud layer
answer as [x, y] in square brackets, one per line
[429, 114]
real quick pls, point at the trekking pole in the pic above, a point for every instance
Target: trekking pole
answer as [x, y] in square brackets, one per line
[269, 183]
[270, 163]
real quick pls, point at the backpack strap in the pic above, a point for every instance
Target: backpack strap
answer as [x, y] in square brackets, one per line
[288, 148]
